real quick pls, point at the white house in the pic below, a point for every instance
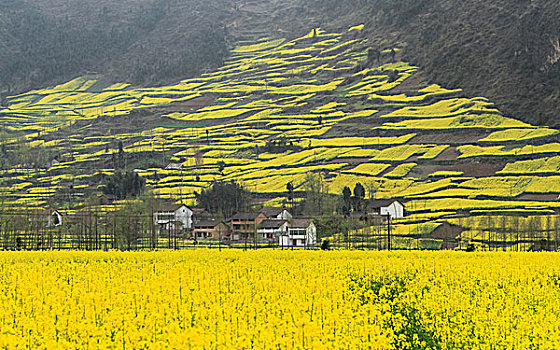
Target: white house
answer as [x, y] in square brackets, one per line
[51, 218]
[271, 229]
[385, 207]
[174, 217]
[301, 233]
[276, 213]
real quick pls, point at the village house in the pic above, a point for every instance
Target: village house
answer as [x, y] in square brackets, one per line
[276, 213]
[270, 230]
[174, 166]
[392, 207]
[173, 218]
[301, 233]
[201, 213]
[210, 230]
[245, 225]
[47, 218]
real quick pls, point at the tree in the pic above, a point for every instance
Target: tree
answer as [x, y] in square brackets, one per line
[373, 55]
[372, 188]
[347, 200]
[129, 223]
[221, 166]
[359, 196]
[393, 76]
[290, 188]
[224, 198]
[316, 194]
[123, 185]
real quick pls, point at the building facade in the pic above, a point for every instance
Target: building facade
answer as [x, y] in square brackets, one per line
[301, 233]
[174, 218]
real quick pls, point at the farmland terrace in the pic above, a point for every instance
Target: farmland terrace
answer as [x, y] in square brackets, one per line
[349, 114]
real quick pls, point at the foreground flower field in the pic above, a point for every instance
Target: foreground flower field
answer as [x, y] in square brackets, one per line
[279, 300]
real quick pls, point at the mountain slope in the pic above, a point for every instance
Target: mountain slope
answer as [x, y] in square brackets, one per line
[507, 50]
[277, 111]
[147, 41]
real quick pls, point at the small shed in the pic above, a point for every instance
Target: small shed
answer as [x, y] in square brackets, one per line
[392, 207]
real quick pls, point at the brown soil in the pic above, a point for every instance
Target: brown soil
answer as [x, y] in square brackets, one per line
[446, 231]
[449, 154]
[459, 137]
[410, 84]
[539, 197]
[191, 105]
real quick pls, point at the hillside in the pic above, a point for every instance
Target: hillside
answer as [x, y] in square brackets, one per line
[144, 42]
[276, 111]
[506, 50]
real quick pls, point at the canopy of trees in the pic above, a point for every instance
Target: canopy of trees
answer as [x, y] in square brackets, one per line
[224, 198]
[123, 185]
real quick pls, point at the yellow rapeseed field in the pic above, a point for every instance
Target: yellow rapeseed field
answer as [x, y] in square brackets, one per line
[279, 300]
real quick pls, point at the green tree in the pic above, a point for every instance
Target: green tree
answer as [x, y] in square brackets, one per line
[224, 198]
[290, 189]
[359, 197]
[124, 184]
[346, 200]
[221, 166]
[317, 199]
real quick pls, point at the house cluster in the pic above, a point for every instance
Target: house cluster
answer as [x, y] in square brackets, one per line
[269, 225]
[274, 225]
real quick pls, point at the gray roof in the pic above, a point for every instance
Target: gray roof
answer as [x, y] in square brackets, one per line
[272, 211]
[271, 224]
[300, 223]
[166, 207]
[206, 223]
[245, 216]
[378, 203]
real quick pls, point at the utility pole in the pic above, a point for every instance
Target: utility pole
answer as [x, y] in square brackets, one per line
[388, 231]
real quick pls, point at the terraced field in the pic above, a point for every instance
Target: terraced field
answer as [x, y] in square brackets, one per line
[335, 111]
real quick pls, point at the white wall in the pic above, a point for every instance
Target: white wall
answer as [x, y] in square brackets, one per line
[395, 209]
[184, 215]
[303, 239]
[274, 231]
[285, 215]
[311, 236]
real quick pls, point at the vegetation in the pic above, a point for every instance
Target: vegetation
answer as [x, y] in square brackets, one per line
[224, 198]
[255, 121]
[387, 300]
[42, 46]
[465, 45]
[124, 184]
